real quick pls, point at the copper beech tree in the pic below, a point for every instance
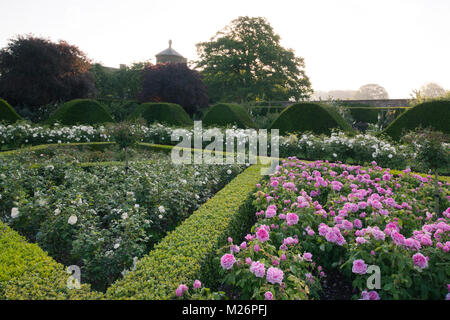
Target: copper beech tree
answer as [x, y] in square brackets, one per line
[35, 71]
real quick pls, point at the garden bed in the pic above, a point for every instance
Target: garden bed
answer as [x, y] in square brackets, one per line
[98, 216]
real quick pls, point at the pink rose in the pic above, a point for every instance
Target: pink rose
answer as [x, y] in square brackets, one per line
[359, 267]
[420, 260]
[274, 275]
[227, 261]
[291, 219]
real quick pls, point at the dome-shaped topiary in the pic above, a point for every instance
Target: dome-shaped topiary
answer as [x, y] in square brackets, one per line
[7, 113]
[81, 111]
[312, 117]
[435, 114]
[225, 114]
[168, 113]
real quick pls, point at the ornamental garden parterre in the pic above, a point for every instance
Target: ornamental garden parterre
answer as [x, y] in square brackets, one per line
[344, 209]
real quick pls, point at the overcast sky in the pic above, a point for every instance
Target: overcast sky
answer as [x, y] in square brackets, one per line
[399, 44]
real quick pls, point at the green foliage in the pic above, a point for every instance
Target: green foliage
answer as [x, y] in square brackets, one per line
[7, 113]
[245, 62]
[119, 109]
[188, 252]
[312, 117]
[167, 113]
[81, 111]
[27, 272]
[123, 83]
[225, 114]
[434, 114]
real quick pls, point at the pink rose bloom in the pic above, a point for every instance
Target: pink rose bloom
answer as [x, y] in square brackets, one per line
[274, 275]
[257, 247]
[420, 260]
[182, 288]
[227, 261]
[291, 219]
[258, 269]
[371, 295]
[398, 238]
[268, 295]
[307, 256]
[248, 260]
[357, 223]
[262, 234]
[336, 185]
[197, 284]
[360, 240]
[359, 267]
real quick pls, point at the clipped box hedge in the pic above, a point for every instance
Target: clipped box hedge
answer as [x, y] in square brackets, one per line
[187, 253]
[228, 114]
[313, 117]
[7, 113]
[28, 273]
[168, 113]
[81, 111]
[435, 114]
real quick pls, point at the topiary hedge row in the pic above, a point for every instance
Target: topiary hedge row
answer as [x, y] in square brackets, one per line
[27, 272]
[226, 114]
[168, 113]
[311, 117]
[188, 252]
[7, 113]
[435, 114]
[81, 111]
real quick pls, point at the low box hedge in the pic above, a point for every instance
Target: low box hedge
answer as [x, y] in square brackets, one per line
[187, 253]
[27, 272]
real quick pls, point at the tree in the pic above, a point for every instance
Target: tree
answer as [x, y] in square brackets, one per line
[431, 90]
[124, 83]
[371, 92]
[245, 62]
[36, 72]
[175, 83]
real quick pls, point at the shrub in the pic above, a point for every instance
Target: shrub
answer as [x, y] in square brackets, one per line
[312, 117]
[174, 83]
[168, 113]
[433, 114]
[81, 111]
[27, 272]
[188, 252]
[225, 114]
[7, 113]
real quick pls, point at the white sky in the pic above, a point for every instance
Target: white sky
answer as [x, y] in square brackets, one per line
[398, 44]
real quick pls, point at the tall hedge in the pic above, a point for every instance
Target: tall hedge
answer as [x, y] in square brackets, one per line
[226, 114]
[81, 111]
[435, 114]
[168, 113]
[7, 113]
[312, 117]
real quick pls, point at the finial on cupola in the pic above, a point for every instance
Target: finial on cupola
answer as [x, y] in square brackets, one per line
[170, 43]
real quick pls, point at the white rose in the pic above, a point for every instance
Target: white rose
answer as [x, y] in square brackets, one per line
[124, 215]
[161, 209]
[57, 211]
[228, 171]
[160, 216]
[72, 220]
[14, 213]
[117, 245]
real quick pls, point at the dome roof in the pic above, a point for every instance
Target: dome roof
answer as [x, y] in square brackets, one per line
[169, 51]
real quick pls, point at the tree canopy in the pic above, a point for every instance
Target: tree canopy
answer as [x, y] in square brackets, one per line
[175, 83]
[245, 62]
[35, 72]
[371, 92]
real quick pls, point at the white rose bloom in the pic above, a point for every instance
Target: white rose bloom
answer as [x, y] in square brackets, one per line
[228, 171]
[14, 213]
[57, 211]
[160, 216]
[161, 209]
[136, 206]
[117, 245]
[72, 220]
[124, 215]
